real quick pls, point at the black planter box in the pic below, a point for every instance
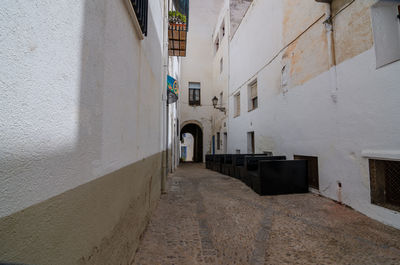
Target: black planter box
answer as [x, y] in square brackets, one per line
[238, 163]
[281, 177]
[227, 165]
[209, 161]
[218, 160]
[250, 169]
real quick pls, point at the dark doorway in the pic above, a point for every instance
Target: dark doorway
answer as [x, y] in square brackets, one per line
[197, 133]
[313, 177]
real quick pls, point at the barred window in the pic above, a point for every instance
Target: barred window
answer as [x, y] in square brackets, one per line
[385, 183]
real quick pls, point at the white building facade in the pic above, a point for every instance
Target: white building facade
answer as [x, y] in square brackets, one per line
[322, 89]
[83, 123]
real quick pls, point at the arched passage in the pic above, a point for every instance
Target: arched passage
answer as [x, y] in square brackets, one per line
[197, 134]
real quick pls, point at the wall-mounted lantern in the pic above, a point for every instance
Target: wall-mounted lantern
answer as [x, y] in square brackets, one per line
[215, 103]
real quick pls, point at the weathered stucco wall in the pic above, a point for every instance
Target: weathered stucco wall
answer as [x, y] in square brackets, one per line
[99, 222]
[80, 99]
[305, 119]
[353, 30]
[237, 10]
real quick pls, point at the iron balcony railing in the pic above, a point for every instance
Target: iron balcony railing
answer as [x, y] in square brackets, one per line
[141, 10]
[178, 17]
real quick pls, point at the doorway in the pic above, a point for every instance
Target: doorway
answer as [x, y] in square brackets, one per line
[196, 132]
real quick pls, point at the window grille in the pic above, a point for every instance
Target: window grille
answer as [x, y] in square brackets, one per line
[385, 183]
[194, 94]
[141, 9]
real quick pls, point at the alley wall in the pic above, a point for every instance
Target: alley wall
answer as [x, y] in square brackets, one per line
[343, 115]
[81, 140]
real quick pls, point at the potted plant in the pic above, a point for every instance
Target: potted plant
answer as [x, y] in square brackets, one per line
[177, 19]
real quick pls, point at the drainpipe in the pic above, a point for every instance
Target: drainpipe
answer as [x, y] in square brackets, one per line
[331, 49]
[165, 72]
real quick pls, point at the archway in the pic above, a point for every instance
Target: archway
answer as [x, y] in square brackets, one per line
[197, 134]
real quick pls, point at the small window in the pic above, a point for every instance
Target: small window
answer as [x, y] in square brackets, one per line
[222, 30]
[386, 29]
[221, 96]
[194, 93]
[253, 99]
[250, 143]
[237, 151]
[398, 11]
[218, 141]
[216, 45]
[236, 100]
[221, 65]
[385, 183]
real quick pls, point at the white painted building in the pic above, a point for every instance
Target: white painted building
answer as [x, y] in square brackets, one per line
[305, 91]
[197, 76]
[82, 128]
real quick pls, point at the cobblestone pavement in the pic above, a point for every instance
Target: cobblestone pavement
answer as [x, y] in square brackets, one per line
[209, 218]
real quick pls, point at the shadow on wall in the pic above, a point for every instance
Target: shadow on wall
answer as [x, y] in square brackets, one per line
[77, 228]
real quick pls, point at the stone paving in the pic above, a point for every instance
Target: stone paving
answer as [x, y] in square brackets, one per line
[209, 218]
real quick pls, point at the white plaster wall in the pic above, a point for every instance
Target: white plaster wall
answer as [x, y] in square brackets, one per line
[220, 79]
[306, 121]
[197, 66]
[80, 95]
[256, 41]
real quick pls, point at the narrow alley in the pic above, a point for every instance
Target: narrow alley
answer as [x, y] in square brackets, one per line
[209, 218]
[159, 132]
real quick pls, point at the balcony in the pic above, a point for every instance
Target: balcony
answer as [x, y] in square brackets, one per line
[178, 19]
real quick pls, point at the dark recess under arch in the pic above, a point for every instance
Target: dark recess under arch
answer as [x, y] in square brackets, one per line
[197, 133]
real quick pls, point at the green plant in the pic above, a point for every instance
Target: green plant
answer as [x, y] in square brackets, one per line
[176, 17]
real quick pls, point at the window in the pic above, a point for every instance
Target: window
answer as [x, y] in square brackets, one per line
[253, 99]
[194, 93]
[138, 10]
[237, 151]
[236, 104]
[386, 29]
[222, 30]
[221, 65]
[216, 45]
[385, 183]
[218, 141]
[221, 98]
[398, 11]
[250, 143]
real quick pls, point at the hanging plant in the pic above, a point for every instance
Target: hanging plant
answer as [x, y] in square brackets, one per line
[175, 17]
